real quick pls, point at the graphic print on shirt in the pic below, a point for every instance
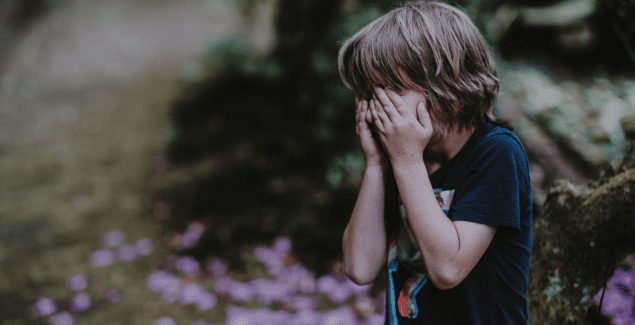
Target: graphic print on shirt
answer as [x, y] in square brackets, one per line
[404, 248]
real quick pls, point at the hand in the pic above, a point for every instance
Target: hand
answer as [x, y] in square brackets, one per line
[368, 142]
[403, 131]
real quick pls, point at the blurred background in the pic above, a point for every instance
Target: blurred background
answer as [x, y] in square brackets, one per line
[195, 161]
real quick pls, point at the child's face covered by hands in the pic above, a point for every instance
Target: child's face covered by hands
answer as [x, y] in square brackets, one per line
[403, 123]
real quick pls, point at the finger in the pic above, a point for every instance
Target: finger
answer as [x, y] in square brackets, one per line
[423, 116]
[397, 101]
[358, 113]
[369, 115]
[368, 112]
[386, 103]
[363, 124]
[376, 119]
[379, 111]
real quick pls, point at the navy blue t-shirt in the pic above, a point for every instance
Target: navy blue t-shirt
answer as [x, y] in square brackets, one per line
[486, 182]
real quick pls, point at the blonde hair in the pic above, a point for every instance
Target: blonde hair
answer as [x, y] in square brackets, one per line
[426, 46]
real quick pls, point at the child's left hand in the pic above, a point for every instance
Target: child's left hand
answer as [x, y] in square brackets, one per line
[403, 131]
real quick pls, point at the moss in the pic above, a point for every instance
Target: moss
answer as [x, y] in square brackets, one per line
[582, 232]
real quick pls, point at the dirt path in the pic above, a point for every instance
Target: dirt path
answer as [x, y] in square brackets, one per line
[84, 97]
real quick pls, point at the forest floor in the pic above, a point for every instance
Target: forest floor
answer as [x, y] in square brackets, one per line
[84, 101]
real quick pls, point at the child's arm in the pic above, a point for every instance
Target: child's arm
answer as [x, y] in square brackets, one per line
[364, 241]
[450, 250]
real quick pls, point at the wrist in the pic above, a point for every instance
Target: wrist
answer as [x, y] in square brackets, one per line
[408, 163]
[375, 168]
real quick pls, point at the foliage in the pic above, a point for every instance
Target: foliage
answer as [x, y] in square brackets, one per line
[281, 130]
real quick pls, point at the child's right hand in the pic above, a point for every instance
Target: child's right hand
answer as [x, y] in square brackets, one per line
[369, 143]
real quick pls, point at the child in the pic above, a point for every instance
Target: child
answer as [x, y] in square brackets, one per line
[445, 200]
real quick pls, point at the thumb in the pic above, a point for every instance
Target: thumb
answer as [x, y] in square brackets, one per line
[423, 116]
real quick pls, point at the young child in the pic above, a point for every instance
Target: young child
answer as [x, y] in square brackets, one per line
[445, 200]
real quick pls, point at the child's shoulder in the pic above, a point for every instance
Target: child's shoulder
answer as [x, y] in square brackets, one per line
[499, 136]
[499, 144]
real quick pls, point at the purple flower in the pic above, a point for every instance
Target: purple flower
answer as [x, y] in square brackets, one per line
[216, 267]
[306, 317]
[80, 302]
[303, 303]
[335, 290]
[127, 253]
[339, 295]
[339, 316]
[282, 246]
[618, 296]
[101, 258]
[615, 302]
[200, 322]
[357, 289]
[165, 320]
[61, 318]
[375, 319]
[240, 292]
[187, 265]
[270, 259]
[624, 280]
[205, 301]
[44, 306]
[191, 235]
[144, 247]
[268, 291]
[298, 278]
[112, 238]
[623, 320]
[113, 295]
[189, 293]
[237, 315]
[327, 283]
[381, 303]
[166, 284]
[161, 281]
[365, 306]
[76, 282]
[223, 284]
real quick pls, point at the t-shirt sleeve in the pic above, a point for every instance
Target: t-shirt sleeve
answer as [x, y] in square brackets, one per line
[491, 191]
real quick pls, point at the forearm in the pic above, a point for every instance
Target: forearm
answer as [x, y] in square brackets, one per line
[364, 241]
[436, 235]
